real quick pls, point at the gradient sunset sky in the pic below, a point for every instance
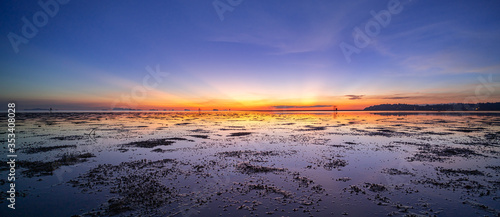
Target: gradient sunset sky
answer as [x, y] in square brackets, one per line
[257, 55]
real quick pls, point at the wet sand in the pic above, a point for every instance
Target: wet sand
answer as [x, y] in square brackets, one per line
[255, 164]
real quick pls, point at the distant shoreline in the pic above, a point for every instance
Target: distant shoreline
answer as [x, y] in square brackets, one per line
[451, 107]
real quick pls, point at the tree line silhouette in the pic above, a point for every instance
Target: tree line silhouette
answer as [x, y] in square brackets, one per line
[437, 107]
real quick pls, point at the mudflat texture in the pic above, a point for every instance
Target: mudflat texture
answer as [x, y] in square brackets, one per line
[256, 164]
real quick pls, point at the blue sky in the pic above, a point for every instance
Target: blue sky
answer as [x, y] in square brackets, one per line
[264, 53]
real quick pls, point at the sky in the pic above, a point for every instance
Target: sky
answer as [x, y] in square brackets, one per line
[242, 54]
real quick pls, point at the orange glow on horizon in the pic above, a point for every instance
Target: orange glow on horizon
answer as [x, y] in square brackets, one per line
[158, 100]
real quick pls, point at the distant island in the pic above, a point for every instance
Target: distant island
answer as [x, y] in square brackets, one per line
[436, 107]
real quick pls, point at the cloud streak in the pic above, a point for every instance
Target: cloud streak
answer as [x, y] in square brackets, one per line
[354, 97]
[397, 97]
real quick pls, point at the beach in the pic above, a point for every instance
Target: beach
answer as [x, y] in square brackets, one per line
[241, 163]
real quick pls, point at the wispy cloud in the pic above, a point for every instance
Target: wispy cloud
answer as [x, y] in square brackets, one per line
[318, 30]
[397, 97]
[354, 97]
[282, 43]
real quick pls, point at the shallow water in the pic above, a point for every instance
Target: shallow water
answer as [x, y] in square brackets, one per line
[256, 163]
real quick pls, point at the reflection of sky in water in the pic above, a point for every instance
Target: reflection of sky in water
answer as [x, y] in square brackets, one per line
[304, 144]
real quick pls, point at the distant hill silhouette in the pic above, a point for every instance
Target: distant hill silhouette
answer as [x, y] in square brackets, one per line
[436, 107]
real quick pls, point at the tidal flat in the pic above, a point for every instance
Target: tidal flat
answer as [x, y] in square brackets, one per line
[256, 164]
